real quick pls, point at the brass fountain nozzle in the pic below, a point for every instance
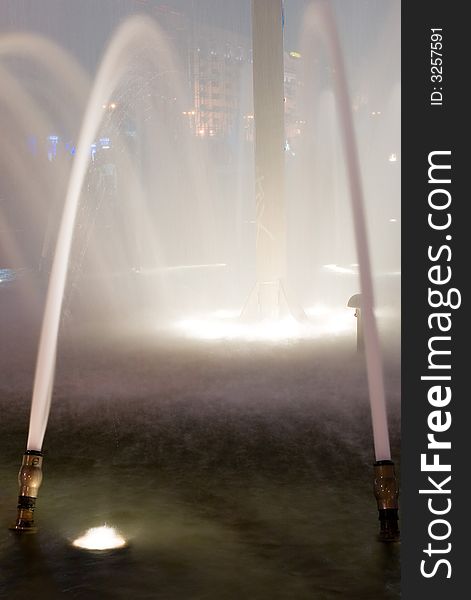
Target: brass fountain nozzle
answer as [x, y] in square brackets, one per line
[386, 492]
[29, 480]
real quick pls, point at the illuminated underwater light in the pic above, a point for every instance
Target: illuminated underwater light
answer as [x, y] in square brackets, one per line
[227, 325]
[105, 143]
[100, 538]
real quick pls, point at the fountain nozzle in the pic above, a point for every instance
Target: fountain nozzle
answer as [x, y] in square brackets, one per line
[387, 493]
[29, 480]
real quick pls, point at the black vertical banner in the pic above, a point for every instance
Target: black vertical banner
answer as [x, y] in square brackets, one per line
[436, 222]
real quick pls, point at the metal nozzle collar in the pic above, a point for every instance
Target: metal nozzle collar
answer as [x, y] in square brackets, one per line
[385, 485]
[29, 479]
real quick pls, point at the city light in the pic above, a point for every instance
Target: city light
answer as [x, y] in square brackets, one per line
[52, 151]
[147, 271]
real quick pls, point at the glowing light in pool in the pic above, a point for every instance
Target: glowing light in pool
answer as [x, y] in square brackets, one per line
[226, 325]
[100, 538]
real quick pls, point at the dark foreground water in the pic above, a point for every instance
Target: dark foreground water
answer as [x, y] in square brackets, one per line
[235, 471]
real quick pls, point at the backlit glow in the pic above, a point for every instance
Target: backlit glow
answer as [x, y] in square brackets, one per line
[227, 325]
[100, 538]
[180, 268]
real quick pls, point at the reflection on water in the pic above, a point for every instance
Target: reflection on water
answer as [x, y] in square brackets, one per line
[232, 471]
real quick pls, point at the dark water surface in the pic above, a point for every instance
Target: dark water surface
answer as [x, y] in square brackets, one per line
[235, 471]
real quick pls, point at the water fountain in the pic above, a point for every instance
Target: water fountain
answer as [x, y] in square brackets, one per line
[271, 244]
[386, 490]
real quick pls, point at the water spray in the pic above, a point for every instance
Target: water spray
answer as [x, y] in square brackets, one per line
[112, 69]
[29, 480]
[355, 302]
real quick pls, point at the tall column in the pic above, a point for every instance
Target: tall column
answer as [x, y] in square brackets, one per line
[268, 80]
